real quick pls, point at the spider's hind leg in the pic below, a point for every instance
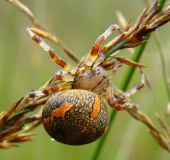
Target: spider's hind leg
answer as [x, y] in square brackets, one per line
[120, 103]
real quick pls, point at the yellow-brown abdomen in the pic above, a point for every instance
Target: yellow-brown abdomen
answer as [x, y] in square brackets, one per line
[75, 117]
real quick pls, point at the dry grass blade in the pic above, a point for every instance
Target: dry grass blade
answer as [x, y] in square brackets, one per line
[168, 110]
[44, 30]
[163, 140]
[14, 124]
[130, 37]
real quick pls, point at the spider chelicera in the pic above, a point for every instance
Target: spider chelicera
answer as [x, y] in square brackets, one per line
[76, 113]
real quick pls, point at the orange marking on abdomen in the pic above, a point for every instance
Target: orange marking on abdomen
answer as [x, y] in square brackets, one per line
[60, 112]
[106, 128]
[93, 130]
[46, 120]
[80, 121]
[96, 108]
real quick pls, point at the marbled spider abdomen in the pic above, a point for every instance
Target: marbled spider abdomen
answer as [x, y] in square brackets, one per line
[75, 117]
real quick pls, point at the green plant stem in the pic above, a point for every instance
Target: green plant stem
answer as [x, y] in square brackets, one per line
[130, 70]
[161, 4]
[115, 48]
[163, 64]
[102, 140]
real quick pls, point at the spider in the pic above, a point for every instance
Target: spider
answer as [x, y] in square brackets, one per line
[75, 113]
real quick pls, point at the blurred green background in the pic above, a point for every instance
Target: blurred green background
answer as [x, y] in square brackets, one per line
[25, 66]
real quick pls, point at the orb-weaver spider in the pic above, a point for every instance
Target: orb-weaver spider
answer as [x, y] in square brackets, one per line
[76, 114]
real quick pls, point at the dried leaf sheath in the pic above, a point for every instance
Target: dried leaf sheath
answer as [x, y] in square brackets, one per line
[14, 124]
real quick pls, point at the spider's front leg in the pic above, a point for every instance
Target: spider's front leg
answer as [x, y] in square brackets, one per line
[119, 103]
[68, 67]
[64, 76]
[98, 43]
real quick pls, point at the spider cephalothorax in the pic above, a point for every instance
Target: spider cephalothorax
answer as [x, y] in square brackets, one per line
[76, 114]
[92, 79]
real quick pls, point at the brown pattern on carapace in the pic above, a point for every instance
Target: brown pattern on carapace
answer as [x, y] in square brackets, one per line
[96, 107]
[60, 112]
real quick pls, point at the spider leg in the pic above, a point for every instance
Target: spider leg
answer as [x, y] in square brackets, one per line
[98, 43]
[51, 89]
[62, 75]
[117, 64]
[71, 69]
[119, 103]
[56, 40]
